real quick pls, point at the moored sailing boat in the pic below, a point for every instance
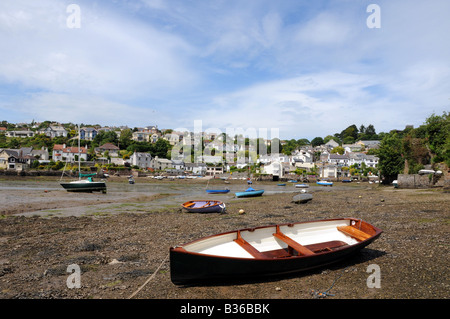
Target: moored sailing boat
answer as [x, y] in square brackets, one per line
[83, 185]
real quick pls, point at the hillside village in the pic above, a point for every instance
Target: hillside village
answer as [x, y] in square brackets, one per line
[59, 148]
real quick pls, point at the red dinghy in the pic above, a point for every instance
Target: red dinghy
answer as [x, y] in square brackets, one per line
[269, 250]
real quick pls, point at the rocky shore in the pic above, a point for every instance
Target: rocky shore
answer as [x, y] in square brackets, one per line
[124, 254]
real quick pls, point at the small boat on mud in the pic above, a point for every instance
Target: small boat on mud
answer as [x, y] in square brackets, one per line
[301, 185]
[250, 192]
[217, 191]
[266, 251]
[302, 198]
[325, 183]
[204, 206]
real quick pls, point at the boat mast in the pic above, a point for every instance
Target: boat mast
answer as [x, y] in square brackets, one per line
[79, 160]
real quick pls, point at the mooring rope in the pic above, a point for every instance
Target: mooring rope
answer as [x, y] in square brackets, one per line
[148, 280]
[324, 294]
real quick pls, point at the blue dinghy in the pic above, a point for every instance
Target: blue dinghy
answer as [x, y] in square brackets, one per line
[250, 192]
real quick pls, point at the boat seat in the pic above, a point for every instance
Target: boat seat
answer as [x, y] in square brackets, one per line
[292, 243]
[248, 247]
[326, 246]
[353, 232]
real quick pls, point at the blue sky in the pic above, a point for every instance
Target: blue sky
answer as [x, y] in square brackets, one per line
[306, 68]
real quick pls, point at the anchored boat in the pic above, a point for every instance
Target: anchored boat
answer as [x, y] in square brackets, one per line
[83, 185]
[269, 250]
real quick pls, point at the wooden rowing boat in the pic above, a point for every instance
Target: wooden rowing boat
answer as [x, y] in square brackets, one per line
[204, 206]
[269, 250]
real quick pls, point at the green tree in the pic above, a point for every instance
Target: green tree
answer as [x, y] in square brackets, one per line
[349, 135]
[391, 162]
[161, 148]
[317, 141]
[338, 150]
[289, 147]
[437, 132]
[125, 138]
[106, 137]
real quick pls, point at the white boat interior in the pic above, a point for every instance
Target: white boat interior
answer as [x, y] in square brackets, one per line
[249, 243]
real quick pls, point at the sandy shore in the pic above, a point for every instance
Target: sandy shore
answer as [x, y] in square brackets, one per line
[118, 252]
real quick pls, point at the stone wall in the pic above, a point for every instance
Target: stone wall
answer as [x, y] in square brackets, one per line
[420, 181]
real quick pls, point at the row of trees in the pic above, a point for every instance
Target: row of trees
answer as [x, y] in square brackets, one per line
[350, 135]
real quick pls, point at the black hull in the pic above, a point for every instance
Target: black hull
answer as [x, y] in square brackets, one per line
[192, 268]
[94, 187]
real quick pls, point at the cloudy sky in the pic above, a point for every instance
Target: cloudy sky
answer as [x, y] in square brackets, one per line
[306, 68]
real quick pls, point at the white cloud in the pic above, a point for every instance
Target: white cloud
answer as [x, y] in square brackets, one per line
[109, 55]
[82, 109]
[309, 69]
[325, 29]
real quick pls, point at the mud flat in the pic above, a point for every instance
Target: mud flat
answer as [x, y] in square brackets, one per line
[119, 247]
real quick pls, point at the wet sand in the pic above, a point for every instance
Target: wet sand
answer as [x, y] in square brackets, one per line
[119, 240]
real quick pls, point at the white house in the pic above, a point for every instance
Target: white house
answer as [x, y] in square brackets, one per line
[328, 171]
[273, 168]
[196, 168]
[359, 158]
[141, 136]
[352, 147]
[20, 133]
[143, 160]
[54, 131]
[160, 163]
[340, 160]
[178, 165]
[63, 153]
